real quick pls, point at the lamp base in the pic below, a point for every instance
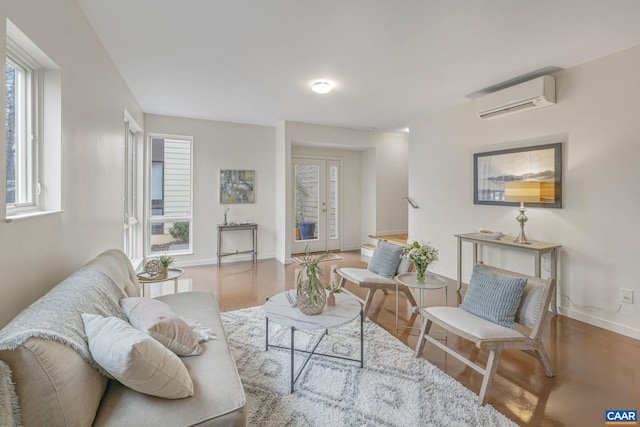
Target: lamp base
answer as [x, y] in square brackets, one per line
[522, 218]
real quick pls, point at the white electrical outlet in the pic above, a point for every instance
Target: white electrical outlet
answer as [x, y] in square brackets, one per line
[626, 295]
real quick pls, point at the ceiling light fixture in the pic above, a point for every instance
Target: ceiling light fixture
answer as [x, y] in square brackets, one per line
[321, 87]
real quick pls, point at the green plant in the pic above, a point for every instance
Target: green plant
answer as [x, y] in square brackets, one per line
[333, 289]
[166, 261]
[180, 232]
[301, 195]
[312, 272]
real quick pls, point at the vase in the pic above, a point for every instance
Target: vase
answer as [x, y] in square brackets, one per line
[331, 300]
[310, 299]
[420, 270]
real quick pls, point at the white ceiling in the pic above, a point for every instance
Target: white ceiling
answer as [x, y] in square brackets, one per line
[252, 61]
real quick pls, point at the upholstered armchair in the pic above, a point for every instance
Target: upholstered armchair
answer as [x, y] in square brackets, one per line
[386, 262]
[495, 300]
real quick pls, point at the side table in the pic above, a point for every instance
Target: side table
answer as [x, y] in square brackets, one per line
[172, 274]
[537, 248]
[432, 282]
[238, 227]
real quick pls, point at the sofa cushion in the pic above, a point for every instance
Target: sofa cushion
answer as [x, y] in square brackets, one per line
[158, 320]
[135, 359]
[494, 298]
[55, 386]
[385, 259]
[218, 395]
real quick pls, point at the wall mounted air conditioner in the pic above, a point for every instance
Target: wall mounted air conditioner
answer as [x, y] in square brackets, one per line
[536, 93]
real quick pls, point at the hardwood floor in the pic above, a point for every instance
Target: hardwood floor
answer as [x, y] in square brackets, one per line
[595, 369]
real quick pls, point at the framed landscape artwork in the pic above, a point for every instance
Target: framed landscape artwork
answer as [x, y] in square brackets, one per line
[540, 165]
[237, 186]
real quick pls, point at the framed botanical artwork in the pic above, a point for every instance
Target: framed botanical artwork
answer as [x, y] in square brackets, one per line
[237, 186]
[530, 174]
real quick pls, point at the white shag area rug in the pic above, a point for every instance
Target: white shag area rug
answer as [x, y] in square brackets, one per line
[393, 389]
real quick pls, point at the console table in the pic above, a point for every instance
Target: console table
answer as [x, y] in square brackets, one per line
[238, 227]
[537, 248]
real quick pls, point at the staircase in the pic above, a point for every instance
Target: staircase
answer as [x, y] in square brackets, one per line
[397, 239]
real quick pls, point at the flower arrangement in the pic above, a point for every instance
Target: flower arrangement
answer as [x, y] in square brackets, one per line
[226, 211]
[310, 294]
[420, 256]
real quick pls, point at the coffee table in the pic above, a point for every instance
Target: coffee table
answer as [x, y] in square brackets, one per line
[279, 310]
[432, 282]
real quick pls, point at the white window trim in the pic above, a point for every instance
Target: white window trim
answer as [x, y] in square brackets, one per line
[46, 129]
[137, 252]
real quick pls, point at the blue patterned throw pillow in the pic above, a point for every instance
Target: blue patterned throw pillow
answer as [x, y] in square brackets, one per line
[385, 259]
[492, 297]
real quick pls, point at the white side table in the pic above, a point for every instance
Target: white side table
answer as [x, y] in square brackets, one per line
[432, 282]
[172, 274]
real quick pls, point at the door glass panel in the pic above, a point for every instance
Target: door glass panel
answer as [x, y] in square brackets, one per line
[307, 180]
[333, 202]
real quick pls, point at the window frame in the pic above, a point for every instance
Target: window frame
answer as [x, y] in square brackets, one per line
[131, 203]
[45, 141]
[150, 219]
[28, 153]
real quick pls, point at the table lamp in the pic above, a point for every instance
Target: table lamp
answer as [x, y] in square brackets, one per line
[523, 192]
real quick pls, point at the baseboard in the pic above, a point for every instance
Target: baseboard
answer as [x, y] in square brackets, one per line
[213, 261]
[601, 323]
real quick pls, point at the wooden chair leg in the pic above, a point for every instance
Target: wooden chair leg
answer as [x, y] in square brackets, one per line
[424, 330]
[544, 361]
[343, 281]
[368, 300]
[490, 371]
[410, 299]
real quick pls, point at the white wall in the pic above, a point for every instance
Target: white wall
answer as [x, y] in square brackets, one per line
[221, 145]
[37, 253]
[389, 165]
[597, 119]
[349, 229]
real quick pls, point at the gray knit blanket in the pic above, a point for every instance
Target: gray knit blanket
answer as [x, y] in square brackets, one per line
[57, 315]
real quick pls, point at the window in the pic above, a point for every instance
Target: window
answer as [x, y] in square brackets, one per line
[132, 231]
[21, 162]
[33, 129]
[169, 220]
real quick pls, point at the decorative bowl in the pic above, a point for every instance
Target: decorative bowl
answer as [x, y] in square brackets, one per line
[488, 234]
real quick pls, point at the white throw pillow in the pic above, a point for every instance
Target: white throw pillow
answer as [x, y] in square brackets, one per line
[135, 359]
[158, 320]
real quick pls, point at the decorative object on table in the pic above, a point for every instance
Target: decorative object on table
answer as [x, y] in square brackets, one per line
[488, 234]
[153, 270]
[324, 395]
[420, 256]
[541, 164]
[237, 186]
[332, 289]
[529, 192]
[310, 294]
[226, 211]
[166, 262]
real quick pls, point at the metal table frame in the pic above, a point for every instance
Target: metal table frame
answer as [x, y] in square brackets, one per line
[293, 349]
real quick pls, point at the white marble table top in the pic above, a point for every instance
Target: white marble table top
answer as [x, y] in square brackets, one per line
[278, 310]
[431, 281]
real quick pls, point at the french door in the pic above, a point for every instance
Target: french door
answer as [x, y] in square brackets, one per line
[316, 196]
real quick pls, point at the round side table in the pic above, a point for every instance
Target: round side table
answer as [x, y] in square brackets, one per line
[172, 274]
[432, 282]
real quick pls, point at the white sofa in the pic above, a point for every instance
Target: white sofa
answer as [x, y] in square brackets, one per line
[56, 386]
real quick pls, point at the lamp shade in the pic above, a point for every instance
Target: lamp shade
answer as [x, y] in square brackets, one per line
[527, 192]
